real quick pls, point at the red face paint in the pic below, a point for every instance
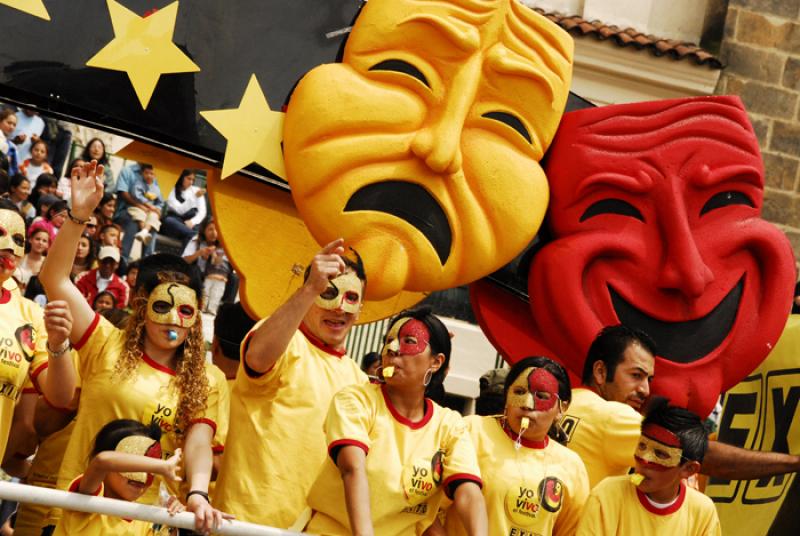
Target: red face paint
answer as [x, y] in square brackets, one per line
[413, 330]
[544, 388]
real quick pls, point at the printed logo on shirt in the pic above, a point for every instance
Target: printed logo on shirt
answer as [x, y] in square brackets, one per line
[9, 390]
[569, 424]
[516, 531]
[10, 354]
[160, 414]
[422, 477]
[26, 337]
[551, 493]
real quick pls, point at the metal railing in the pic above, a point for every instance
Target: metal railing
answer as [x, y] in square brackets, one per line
[112, 507]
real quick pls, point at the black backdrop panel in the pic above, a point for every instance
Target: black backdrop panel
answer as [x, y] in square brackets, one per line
[43, 63]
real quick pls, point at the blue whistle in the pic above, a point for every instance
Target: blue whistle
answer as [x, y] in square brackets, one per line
[172, 335]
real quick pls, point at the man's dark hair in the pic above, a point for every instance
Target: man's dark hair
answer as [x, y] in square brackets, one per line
[609, 347]
[681, 422]
[369, 359]
[144, 165]
[231, 325]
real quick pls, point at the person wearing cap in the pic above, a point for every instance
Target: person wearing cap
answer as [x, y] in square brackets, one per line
[104, 278]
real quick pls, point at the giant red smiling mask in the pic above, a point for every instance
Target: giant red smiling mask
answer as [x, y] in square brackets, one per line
[655, 216]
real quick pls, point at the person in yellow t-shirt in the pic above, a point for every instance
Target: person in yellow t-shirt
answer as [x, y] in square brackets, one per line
[24, 330]
[394, 454]
[292, 364]
[532, 484]
[125, 457]
[154, 371]
[656, 501]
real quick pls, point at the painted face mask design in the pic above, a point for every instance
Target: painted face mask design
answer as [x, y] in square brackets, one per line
[659, 448]
[343, 292]
[141, 446]
[534, 388]
[656, 222]
[12, 234]
[422, 147]
[172, 304]
[408, 336]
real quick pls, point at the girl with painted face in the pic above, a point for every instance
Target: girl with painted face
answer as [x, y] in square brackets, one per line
[396, 452]
[154, 371]
[125, 457]
[533, 485]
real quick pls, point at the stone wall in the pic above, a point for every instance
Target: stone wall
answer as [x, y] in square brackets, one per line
[761, 48]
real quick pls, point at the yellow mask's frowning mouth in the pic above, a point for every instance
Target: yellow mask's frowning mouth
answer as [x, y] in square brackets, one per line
[421, 148]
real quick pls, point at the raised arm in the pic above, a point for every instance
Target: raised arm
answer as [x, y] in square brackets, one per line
[199, 465]
[87, 190]
[352, 463]
[110, 461]
[272, 336]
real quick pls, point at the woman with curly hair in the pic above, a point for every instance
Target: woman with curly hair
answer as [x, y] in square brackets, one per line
[154, 371]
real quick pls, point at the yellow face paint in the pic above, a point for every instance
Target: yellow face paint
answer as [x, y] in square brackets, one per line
[140, 446]
[12, 232]
[422, 146]
[172, 304]
[655, 452]
[343, 292]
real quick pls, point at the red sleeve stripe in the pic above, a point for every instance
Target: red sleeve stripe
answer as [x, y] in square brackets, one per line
[53, 406]
[460, 476]
[85, 337]
[35, 376]
[218, 449]
[339, 443]
[30, 391]
[203, 420]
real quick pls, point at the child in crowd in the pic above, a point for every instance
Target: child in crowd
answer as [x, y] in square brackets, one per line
[206, 251]
[52, 221]
[84, 256]
[46, 187]
[104, 301]
[148, 215]
[37, 163]
[8, 123]
[105, 210]
[109, 235]
[656, 500]
[125, 457]
[37, 245]
[19, 189]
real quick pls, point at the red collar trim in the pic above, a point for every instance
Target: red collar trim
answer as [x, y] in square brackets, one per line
[671, 509]
[529, 443]
[407, 422]
[157, 366]
[5, 296]
[316, 341]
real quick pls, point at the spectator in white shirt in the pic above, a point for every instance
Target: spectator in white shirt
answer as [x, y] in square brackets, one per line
[186, 208]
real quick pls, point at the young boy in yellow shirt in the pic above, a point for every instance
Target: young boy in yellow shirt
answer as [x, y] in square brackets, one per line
[656, 500]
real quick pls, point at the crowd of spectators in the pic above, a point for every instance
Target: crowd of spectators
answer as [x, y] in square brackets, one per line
[125, 226]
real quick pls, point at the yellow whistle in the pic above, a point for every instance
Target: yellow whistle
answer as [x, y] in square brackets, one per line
[637, 479]
[523, 425]
[388, 372]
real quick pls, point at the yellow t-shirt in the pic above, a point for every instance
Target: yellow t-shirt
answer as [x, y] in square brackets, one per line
[275, 443]
[22, 353]
[616, 506]
[86, 524]
[149, 396]
[604, 434]
[539, 489]
[31, 518]
[409, 465]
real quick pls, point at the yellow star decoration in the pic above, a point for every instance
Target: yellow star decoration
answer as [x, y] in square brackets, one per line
[254, 132]
[143, 47]
[31, 7]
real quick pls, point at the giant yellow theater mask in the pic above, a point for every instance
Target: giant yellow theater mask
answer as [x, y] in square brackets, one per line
[422, 147]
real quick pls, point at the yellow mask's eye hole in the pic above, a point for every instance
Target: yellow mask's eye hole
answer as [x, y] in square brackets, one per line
[351, 297]
[511, 121]
[641, 447]
[329, 293]
[19, 240]
[161, 307]
[186, 311]
[661, 454]
[400, 66]
[520, 391]
[3, 231]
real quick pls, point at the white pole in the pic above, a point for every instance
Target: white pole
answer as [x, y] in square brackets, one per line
[113, 507]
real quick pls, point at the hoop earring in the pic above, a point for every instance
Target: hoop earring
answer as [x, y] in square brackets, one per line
[428, 377]
[379, 374]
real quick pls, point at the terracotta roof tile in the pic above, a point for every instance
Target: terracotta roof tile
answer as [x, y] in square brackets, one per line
[630, 37]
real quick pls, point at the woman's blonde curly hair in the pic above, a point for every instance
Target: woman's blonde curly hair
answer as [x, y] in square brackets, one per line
[190, 377]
